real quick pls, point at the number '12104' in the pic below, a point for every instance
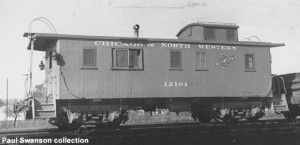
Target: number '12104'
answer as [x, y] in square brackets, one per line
[175, 84]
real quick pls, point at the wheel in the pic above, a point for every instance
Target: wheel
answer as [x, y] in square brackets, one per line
[223, 115]
[253, 119]
[72, 126]
[121, 119]
[259, 112]
[217, 115]
[203, 116]
[293, 113]
[64, 126]
[204, 119]
[115, 123]
[194, 116]
[62, 122]
[290, 115]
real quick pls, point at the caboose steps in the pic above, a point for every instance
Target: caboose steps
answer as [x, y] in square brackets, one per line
[44, 106]
[44, 99]
[287, 87]
[44, 113]
[43, 110]
[280, 108]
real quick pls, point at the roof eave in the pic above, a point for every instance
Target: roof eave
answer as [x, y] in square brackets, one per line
[41, 39]
[207, 25]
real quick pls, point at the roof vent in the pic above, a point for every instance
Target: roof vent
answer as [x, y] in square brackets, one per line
[136, 28]
[216, 23]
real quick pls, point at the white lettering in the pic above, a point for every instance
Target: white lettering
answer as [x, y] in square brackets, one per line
[8, 140]
[164, 45]
[74, 140]
[175, 84]
[33, 141]
[188, 45]
[217, 47]
[63, 140]
[97, 42]
[201, 46]
[105, 43]
[150, 45]
[175, 45]
[118, 43]
[170, 45]
[125, 44]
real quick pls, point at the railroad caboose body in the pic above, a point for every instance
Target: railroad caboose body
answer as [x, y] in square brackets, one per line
[206, 71]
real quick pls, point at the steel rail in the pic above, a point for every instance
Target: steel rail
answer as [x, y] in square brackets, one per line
[158, 128]
[31, 133]
[278, 125]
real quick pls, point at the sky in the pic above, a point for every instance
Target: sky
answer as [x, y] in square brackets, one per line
[275, 21]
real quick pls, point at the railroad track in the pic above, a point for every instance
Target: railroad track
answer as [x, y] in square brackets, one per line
[26, 136]
[131, 133]
[173, 128]
[31, 132]
[37, 136]
[207, 133]
[216, 124]
[57, 132]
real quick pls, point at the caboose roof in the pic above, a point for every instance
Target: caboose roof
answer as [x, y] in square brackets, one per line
[42, 40]
[211, 25]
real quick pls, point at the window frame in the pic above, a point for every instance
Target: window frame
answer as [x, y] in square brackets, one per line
[247, 62]
[89, 66]
[114, 59]
[211, 31]
[230, 35]
[200, 60]
[50, 59]
[170, 59]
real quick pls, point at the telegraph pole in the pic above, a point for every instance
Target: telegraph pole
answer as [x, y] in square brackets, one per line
[6, 98]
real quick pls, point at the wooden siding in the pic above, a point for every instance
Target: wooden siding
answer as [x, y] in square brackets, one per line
[103, 82]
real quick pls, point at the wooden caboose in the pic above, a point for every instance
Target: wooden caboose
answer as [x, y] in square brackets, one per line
[206, 69]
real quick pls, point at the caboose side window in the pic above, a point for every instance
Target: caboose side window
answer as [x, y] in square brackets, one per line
[134, 56]
[122, 58]
[209, 33]
[127, 59]
[201, 60]
[230, 35]
[89, 57]
[175, 59]
[249, 62]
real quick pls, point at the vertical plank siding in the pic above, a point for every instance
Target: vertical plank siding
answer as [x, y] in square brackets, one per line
[104, 82]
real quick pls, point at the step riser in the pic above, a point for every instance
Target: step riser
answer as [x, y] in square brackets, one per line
[44, 107]
[44, 114]
[43, 100]
[280, 108]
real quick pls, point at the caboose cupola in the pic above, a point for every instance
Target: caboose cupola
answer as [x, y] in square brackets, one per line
[212, 32]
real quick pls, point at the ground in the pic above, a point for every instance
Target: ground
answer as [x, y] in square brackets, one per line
[136, 117]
